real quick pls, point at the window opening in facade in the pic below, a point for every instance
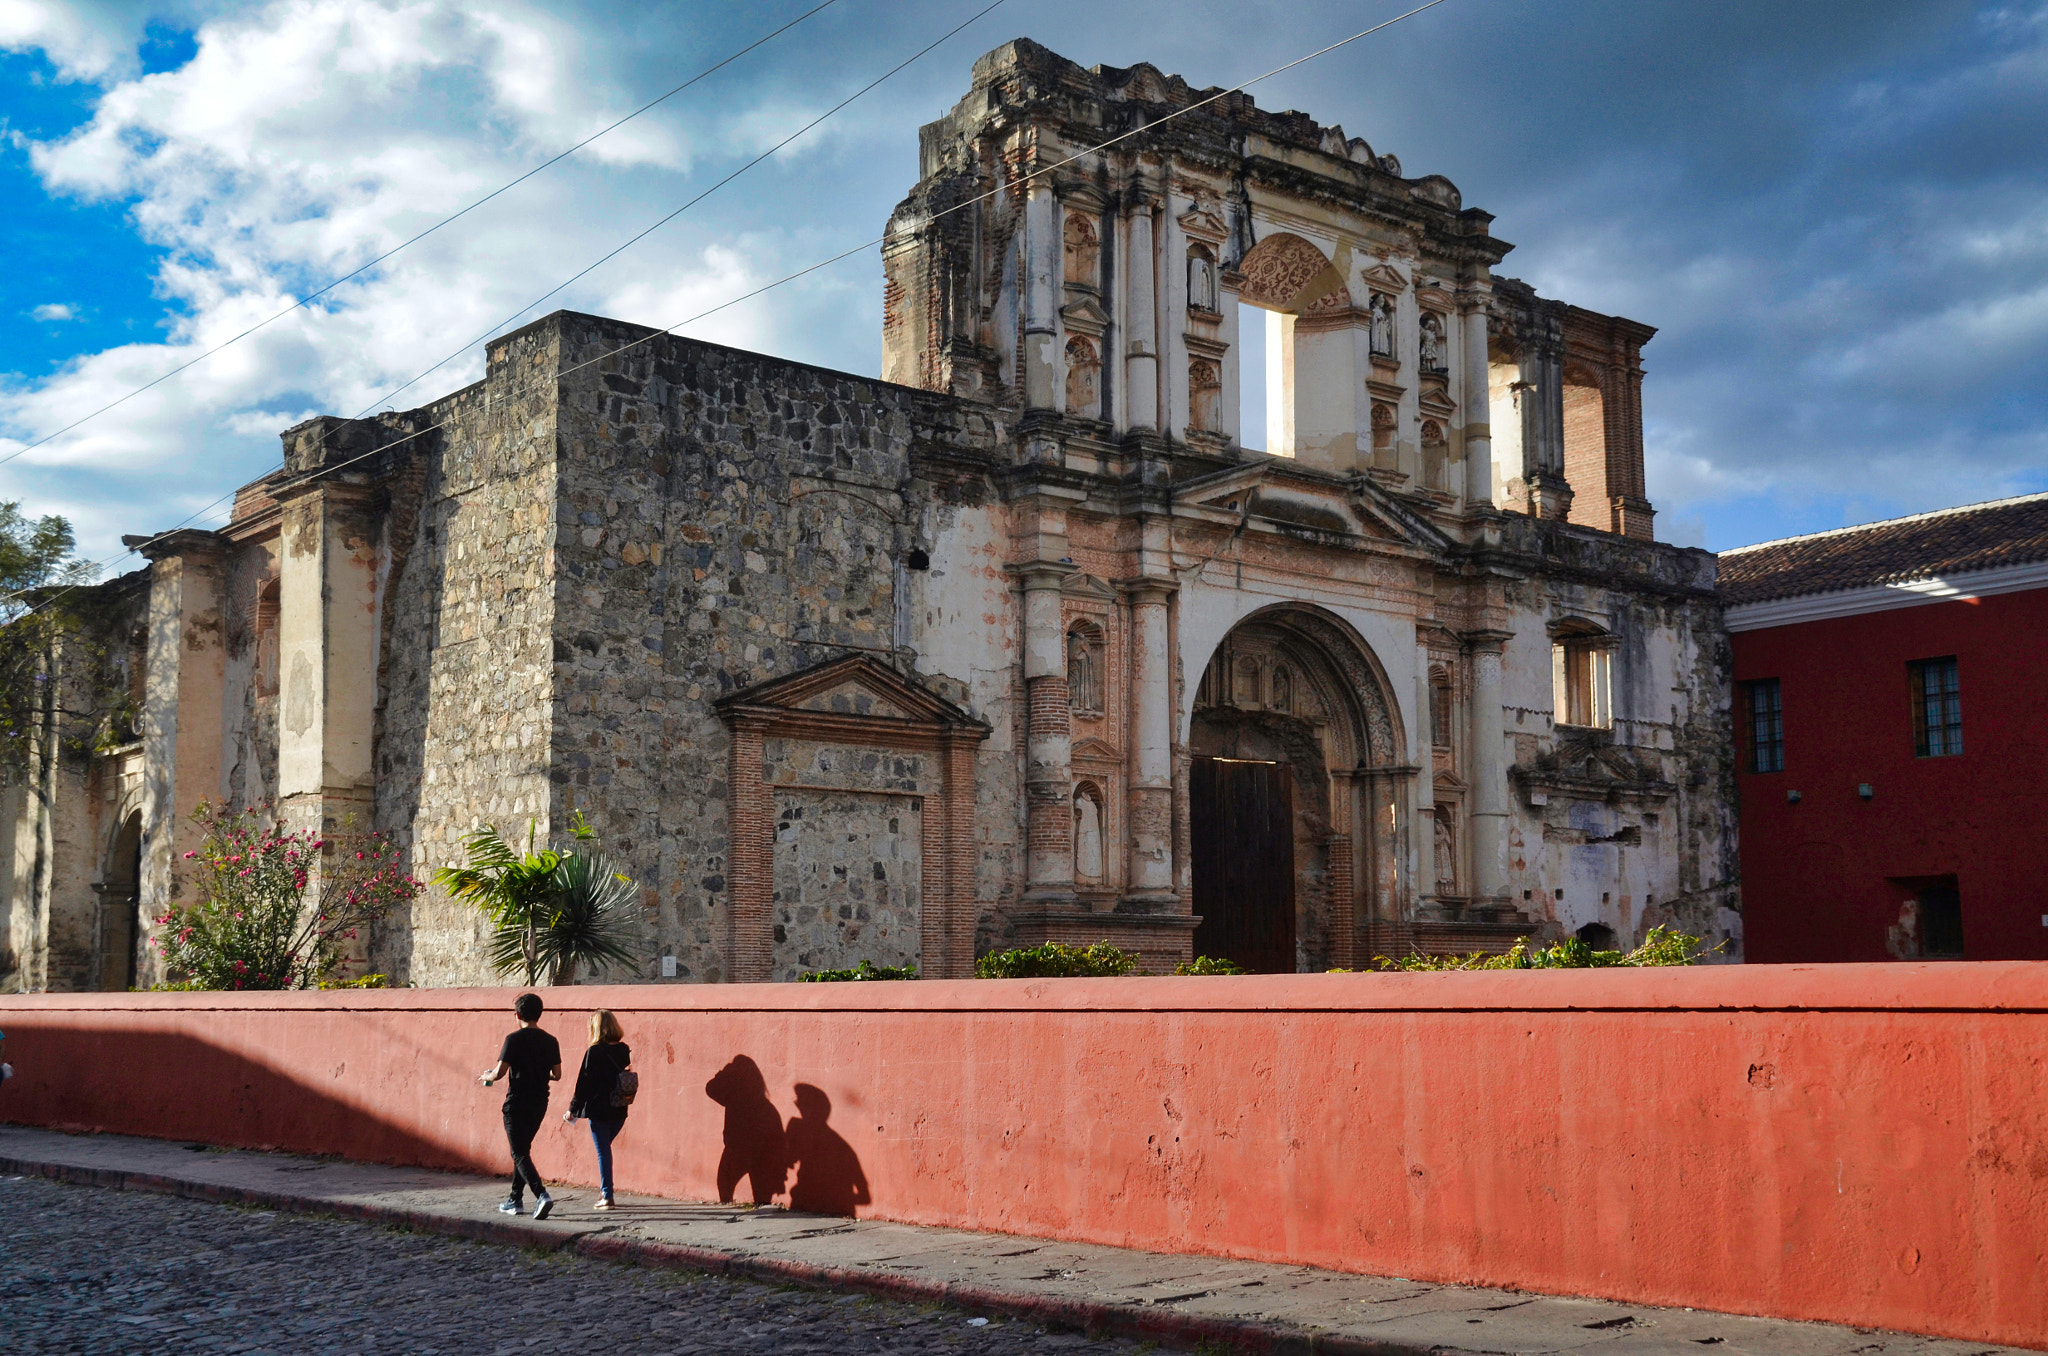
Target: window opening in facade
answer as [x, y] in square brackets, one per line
[1582, 680]
[1937, 707]
[1766, 726]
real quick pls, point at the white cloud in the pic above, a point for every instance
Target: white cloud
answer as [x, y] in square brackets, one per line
[55, 312]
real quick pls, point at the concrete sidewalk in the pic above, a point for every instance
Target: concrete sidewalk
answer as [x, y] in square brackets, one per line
[1181, 1300]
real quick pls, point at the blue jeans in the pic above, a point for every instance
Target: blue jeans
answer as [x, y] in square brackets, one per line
[602, 1133]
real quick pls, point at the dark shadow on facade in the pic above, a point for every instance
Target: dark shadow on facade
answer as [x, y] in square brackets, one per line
[755, 1147]
[829, 1180]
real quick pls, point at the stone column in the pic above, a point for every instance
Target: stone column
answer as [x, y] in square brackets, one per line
[1151, 792]
[1423, 815]
[1478, 394]
[1141, 322]
[1489, 771]
[1041, 295]
[181, 707]
[1539, 397]
[328, 656]
[1049, 739]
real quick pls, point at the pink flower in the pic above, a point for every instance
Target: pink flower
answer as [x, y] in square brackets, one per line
[190, 855]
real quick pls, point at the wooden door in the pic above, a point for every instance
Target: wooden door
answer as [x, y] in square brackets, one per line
[1242, 822]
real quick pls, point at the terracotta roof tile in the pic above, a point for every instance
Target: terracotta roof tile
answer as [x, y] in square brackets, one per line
[1926, 545]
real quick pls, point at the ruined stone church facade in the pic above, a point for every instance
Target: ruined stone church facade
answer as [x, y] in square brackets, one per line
[1017, 643]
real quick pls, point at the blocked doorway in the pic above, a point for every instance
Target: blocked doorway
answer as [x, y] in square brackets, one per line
[1242, 816]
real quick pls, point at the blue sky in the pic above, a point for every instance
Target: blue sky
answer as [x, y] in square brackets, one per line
[1836, 213]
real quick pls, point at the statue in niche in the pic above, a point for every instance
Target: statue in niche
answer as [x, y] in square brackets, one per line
[1205, 394]
[1201, 278]
[1084, 379]
[1087, 836]
[1431, 345]
[1083, 251]
[1446, 854]
[1084, 671]
[1283, 688]
[1382, 325]
[1382, 427]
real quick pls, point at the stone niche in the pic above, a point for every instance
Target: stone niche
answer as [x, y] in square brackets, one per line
[852, 824]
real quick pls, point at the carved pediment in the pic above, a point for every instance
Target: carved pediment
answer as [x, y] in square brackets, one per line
[1383, 278]
[859, 686]
[1092, 750]
[1274, 490]
[1085, 316]
[1203, 223]
[1079, 585]
[1434, 400]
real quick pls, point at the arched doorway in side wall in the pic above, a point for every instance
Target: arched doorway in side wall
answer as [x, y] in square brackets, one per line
[1293, 795]
[120, 897]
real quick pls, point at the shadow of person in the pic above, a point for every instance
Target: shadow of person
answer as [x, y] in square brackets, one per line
[828, 1176]
[754, 1143]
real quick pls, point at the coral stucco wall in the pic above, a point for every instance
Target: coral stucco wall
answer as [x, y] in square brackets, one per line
[1861, 1143]
[1816, 875]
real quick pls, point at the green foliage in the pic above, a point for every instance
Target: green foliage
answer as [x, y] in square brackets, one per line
[252, 926]
[1663, 946]
[359, 982]
[551, 911]
[56, 670]
[1056, 960]
[865, 970]
[1210, 965]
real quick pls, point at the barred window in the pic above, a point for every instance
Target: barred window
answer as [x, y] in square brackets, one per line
[1766, 726]
[1937, 707]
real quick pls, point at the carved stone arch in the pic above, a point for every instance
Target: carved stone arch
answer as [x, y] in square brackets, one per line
[1286, 273]
[1328, 742]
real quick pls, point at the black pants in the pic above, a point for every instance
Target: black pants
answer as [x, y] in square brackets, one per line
[521, 1125]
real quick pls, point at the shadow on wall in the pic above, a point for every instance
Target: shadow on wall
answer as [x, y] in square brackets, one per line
[168, 1086]
[758, 1147]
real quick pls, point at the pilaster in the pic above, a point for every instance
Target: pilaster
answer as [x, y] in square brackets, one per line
[328, 660]
[183, 693]
[1489, 770]
[1049, 738]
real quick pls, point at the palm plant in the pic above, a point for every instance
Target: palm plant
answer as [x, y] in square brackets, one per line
[550, 911]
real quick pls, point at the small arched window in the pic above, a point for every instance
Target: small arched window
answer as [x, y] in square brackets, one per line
[1084, 379]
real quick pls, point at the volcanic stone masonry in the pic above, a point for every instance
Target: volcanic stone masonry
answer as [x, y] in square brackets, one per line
[1018, 643]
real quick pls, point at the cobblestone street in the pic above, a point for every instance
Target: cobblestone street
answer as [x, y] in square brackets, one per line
[90, 1270]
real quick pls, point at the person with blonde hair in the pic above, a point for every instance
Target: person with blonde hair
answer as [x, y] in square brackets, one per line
[605, 1087]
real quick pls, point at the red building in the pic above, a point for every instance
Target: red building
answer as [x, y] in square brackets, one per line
[1893, 751]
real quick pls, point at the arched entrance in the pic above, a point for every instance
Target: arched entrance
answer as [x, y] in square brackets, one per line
[120, 892]
[1296, 797]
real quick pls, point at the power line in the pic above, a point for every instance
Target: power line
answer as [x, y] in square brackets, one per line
[314, 296]
[500, 326]
[812, 268]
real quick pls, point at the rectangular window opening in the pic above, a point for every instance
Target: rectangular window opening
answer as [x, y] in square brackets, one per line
[1937, 707]
[1766, 725]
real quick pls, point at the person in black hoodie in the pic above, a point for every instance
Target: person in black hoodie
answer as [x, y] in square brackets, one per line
[597, 1088]
[529, 1061]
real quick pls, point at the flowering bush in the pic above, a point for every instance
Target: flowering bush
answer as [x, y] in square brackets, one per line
[252, 926]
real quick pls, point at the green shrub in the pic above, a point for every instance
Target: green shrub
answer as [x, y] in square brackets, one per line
[1057, 960]
[865, 970]
[1210, 965]
[361, 982]
[1663, 946]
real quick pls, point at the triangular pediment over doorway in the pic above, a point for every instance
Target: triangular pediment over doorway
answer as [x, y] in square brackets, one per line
[1280, 491]
[858, 686]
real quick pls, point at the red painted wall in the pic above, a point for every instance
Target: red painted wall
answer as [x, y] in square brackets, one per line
[1815, 875]
[1866, 1144]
